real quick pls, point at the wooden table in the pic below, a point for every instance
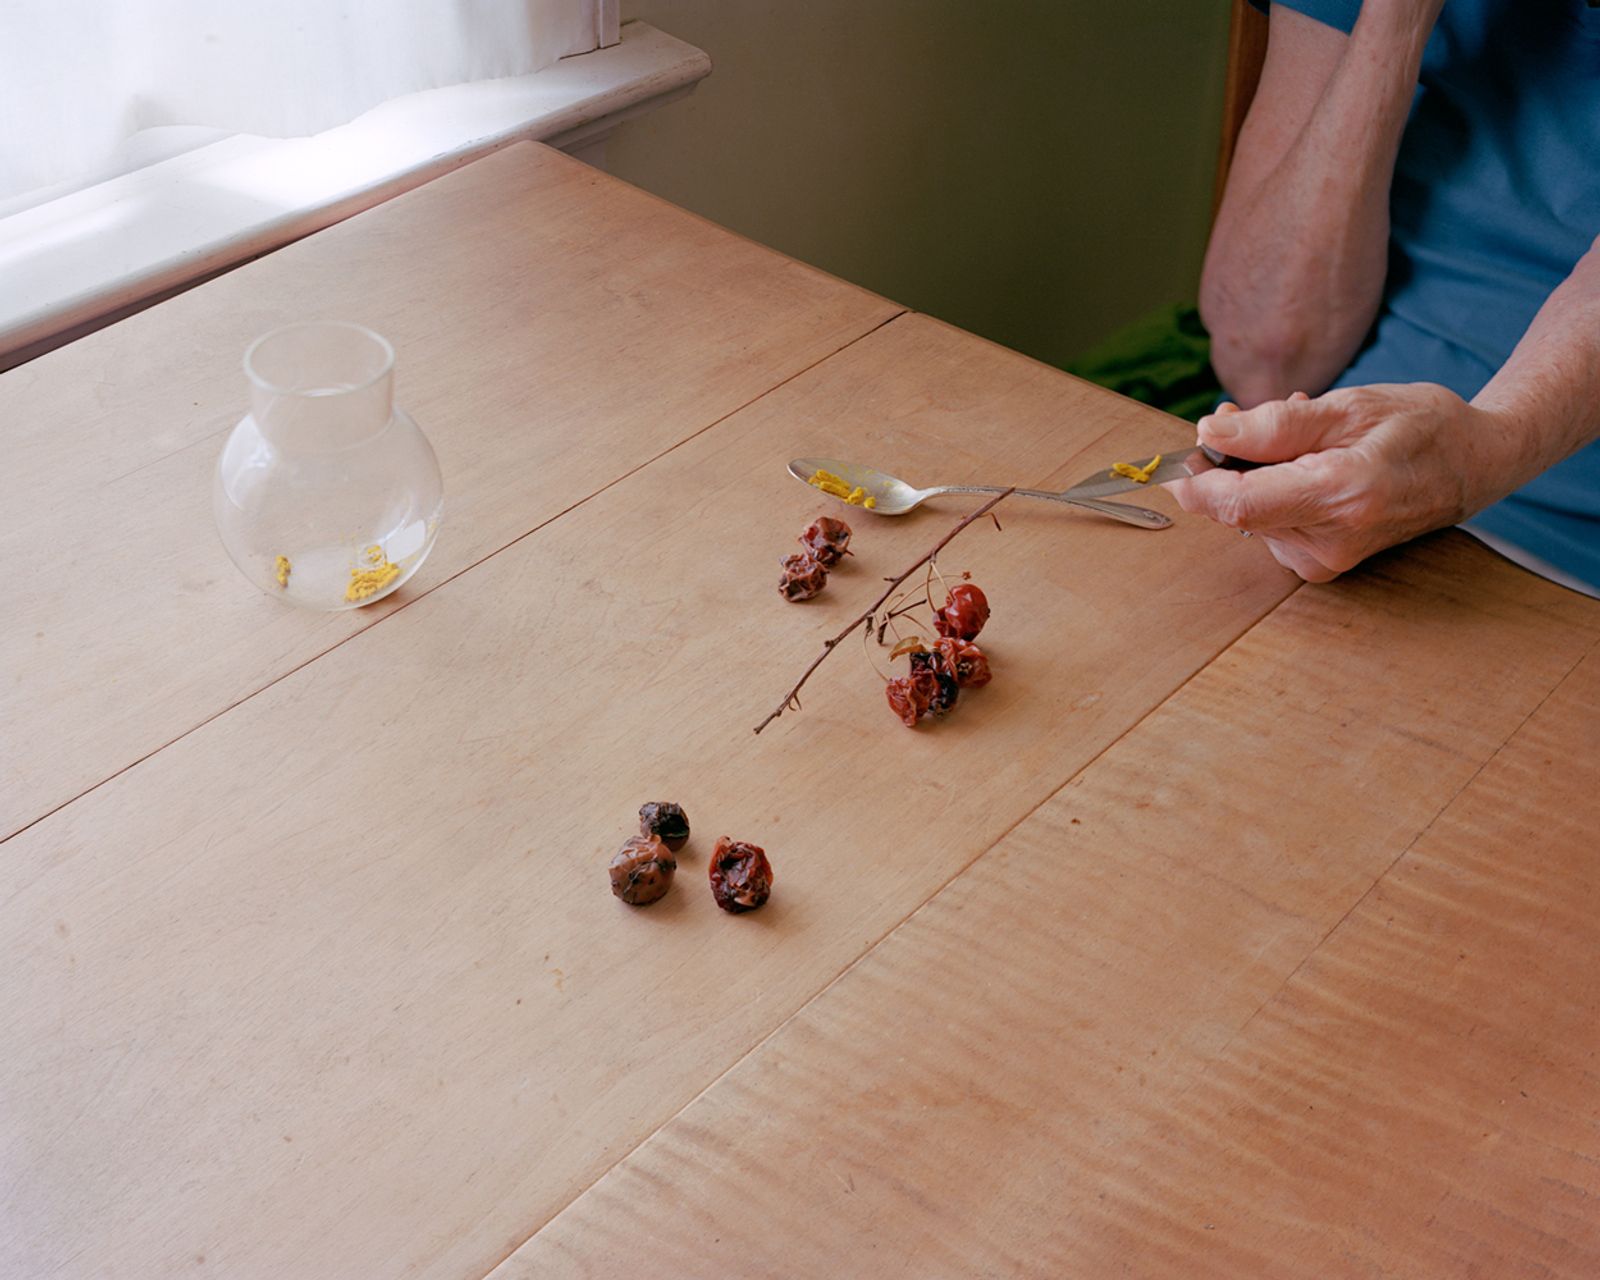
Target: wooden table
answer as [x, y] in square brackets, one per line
[1234, 930]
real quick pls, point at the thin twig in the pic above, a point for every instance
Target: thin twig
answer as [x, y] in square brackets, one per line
[865, 617]
[892, 614]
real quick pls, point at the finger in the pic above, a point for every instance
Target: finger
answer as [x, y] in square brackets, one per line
[1298, 396]
[1289, 495]
[1179, 488]
[1299, 561]
[1277, 430]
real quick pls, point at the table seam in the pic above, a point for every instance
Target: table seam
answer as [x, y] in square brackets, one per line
[1410, 845]
[883, 937]
[468, 568]
[1592, 648]
[1026, 816]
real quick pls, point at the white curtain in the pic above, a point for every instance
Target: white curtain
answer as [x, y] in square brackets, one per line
[91, 88]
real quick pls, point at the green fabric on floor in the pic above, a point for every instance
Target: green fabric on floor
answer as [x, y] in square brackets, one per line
[1162, 359]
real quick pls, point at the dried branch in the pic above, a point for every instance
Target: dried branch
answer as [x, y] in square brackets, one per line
[865, 618]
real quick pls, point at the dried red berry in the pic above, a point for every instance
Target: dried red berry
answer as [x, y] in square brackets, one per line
[969, 663]
[826, 540]
[642, 871]
[741, 876]
[911, 697]
[901, 701]
[965, 611]
[946, 687]
[802, 577]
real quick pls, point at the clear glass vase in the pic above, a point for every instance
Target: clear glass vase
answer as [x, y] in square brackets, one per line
[326, 495]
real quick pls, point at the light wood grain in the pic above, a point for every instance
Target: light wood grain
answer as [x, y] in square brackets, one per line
[555, 328]
[1420, 1098]
[1118, 1043]
[334, 986]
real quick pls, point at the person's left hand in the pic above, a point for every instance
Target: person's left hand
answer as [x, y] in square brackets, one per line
[1359, 469]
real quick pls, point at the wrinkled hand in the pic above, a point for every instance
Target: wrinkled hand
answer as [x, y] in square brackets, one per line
[1359, 469]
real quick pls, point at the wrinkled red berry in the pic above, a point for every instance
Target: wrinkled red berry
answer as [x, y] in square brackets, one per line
[642, 871]
[902, 701]
[965, 611]
[946, 687]
[802, 577]
[911, 697]
[826, 540]
[741, 876]
[969, 663]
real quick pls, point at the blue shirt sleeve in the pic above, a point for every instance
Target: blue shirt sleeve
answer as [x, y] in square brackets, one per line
[1339, 14]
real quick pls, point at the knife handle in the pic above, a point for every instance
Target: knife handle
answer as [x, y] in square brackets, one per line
[1229, 463]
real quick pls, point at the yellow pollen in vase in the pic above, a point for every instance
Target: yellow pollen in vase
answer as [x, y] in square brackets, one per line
[379, 573]
[281, 568]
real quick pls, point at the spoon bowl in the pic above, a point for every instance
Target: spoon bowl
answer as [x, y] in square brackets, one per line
[893, 496]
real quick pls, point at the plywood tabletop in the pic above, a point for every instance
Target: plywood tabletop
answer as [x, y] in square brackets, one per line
[366, 911]
[1294, 980]
[555, 328]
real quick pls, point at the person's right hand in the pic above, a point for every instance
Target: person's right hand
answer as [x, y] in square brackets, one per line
[1356, 470]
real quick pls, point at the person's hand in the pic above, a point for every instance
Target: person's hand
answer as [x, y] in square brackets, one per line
[1359, 469]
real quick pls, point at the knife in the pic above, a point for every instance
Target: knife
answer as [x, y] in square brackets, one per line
[1173, 466]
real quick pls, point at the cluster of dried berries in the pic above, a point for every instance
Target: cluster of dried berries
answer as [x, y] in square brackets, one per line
[824, 543]
[741, 876]
[642, 870]
[954, 663]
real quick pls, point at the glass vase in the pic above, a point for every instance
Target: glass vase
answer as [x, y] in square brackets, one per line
[326, 495]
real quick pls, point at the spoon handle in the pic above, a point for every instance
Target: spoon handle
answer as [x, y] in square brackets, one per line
[1142, 517]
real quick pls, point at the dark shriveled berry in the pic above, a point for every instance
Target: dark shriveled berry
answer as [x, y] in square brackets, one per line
[667, 822]
[946, 687]
[741, 876]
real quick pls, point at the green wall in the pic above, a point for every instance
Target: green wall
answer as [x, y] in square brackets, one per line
[1039, 173]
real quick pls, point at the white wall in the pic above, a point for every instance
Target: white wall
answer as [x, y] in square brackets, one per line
[1038, 171]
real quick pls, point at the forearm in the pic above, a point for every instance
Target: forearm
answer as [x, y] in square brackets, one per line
[1296, 266]
[1544, 404]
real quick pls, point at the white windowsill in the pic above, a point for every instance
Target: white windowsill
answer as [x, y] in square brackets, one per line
[85, 259]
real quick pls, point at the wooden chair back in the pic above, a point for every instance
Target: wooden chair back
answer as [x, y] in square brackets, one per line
[1247, 50]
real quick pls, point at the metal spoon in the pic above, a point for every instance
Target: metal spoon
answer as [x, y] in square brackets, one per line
[894, 497]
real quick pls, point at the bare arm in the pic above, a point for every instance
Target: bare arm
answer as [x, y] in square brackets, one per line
[1545, 401]
[1363, 468]
[1295, 269]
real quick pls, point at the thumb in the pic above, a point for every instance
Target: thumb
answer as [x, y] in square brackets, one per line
[1275, 431]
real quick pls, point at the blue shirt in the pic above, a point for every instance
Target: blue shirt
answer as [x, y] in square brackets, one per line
[1496, 196]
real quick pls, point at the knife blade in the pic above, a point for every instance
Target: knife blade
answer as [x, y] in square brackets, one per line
[1173, 466]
